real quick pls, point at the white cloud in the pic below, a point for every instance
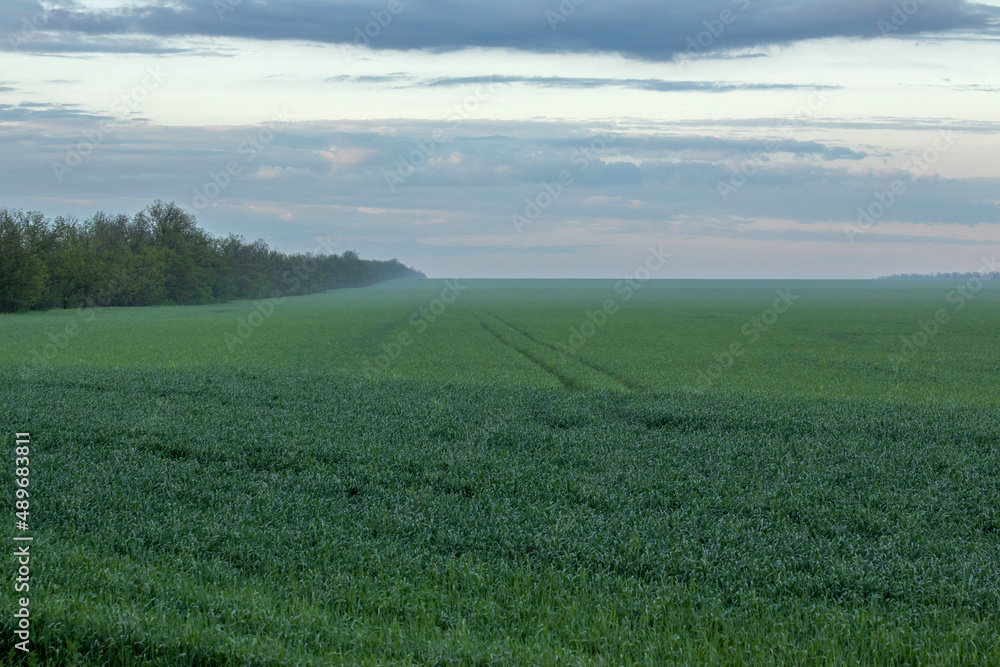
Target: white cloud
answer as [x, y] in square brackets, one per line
[342, 158]
[265, 171]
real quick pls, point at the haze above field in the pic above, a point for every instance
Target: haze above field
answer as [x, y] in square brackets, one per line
[742, 137]
[856, 340]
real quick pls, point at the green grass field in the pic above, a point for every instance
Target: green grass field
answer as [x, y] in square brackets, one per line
[375, 476]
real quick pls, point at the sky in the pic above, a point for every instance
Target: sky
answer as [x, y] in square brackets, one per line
[544, 139]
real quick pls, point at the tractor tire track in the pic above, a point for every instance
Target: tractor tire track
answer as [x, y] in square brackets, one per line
[565, 380]
[586, 362]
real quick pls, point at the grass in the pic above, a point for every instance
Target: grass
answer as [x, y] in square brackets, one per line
[835, 341]
[478, 500]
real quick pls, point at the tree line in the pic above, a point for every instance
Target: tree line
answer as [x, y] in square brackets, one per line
[941, 276]
[159, 256]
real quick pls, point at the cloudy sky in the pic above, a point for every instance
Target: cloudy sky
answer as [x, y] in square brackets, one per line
[750, 138]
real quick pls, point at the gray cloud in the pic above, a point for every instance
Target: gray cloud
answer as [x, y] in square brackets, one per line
[800, 121]
[386, 78]
[484, 173]
[641, 29]
[643, 146]
[38, 111]
[655, 85]
[73, 45]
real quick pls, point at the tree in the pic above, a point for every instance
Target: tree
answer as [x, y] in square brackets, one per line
[157, 256]
[23, 274]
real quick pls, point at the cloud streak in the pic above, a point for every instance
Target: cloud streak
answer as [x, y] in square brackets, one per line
[579, 83]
